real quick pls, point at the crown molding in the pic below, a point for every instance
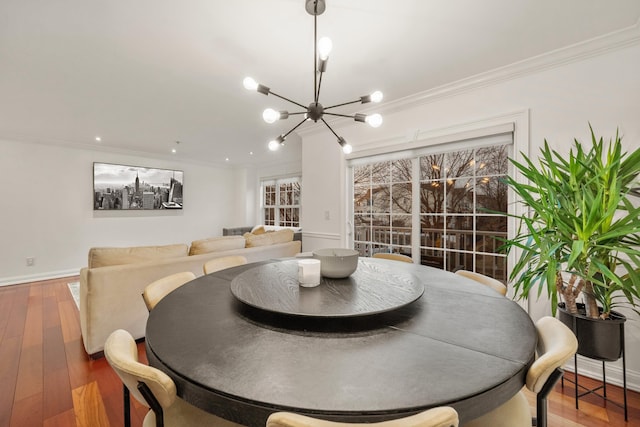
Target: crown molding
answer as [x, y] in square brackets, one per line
[596, 46]
[556, 58]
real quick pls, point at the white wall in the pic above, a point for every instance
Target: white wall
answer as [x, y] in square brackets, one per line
[46, 209]
[603, 89]
[285, 162]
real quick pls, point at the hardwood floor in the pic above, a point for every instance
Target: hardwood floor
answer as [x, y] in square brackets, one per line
[47, 379]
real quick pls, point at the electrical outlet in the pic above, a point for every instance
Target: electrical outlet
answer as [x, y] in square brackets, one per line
[30, 261]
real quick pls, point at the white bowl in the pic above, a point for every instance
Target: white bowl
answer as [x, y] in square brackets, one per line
[337, 263]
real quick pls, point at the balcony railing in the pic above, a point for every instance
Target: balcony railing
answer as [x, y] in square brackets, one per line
[453, 249]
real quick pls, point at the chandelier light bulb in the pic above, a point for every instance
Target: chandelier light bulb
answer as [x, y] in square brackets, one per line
[374, 120]
[324, 47]
[274, 145]
[270, 115]
[250, 84]
[376, 96]
[347, 148]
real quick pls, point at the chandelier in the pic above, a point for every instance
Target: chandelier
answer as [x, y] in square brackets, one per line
[315, 111]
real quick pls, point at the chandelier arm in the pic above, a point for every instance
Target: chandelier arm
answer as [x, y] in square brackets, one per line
[316, 88]
[294, 128]
[319, 84]
[287, 99]
[330, 128]
[357, 101]
[339, 115]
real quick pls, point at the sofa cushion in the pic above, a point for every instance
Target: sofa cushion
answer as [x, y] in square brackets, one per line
[258, 229]
[269, 238]
[103, 257]
[216, 244]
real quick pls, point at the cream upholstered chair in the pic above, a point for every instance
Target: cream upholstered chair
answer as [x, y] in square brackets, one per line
[152, 388]
[157, 290]
[494, 284]
[443, 416]
[395, 257]
[556, 345]
[221, 263]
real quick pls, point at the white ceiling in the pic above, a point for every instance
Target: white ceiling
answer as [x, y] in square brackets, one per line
[143, 74]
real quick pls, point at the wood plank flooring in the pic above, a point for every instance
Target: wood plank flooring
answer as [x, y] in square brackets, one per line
[46, 379]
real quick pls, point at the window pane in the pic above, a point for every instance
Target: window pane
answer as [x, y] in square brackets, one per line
[362, 227]
[431, 231]
[401, 170]
[362, 174]
[381, 199]
[460, 163]
[492, 266]
[380, 229]
[363, 248]
[401, 230]
[432, 197]
[432, 257]
[401, 198]
[431, 167]
[492, 160]
[491, 194]
[380, 172]
[460, 195]
[361, 199]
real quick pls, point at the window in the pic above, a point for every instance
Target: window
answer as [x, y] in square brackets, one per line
[463, 210]
[446, 206]
[281, 202]
[382, 207]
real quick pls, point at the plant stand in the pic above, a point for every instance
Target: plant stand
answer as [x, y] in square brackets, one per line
[602, 387]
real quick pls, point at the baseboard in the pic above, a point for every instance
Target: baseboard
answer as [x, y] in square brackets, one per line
[16, 280]
[593, 369]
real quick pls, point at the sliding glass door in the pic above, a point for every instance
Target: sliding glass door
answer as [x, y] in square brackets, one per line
[445, 206]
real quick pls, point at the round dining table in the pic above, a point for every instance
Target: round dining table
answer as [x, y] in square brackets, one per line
[391, 340]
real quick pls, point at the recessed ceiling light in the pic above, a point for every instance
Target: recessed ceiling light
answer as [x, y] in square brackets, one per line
[251, 153]
[174, 151]
[98, 139]
[226, 160]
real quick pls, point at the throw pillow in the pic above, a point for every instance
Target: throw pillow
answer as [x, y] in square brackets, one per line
[258, 229]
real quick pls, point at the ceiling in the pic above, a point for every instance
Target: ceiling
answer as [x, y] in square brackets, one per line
[144, 74]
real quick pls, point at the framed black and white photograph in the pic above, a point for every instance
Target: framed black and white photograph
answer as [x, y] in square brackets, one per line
[123, 187]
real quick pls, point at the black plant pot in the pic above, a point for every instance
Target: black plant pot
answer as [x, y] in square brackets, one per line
[597, 338]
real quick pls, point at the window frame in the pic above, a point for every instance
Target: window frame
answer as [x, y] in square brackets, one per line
[278, 199]
[505, 135]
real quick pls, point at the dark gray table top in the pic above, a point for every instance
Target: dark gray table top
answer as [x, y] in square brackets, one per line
[373, 288]
[460, 344]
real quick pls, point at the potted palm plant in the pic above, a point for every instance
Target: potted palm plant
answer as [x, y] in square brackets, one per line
[579, 238]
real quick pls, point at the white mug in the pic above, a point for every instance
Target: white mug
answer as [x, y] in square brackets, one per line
[309, 272]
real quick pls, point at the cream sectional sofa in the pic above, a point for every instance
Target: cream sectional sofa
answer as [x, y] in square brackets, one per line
[112, 283]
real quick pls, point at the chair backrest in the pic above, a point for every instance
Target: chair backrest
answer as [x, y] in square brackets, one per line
[494, 284]
[556, 345]
[221, 263]
[443, 416]
[395, 257]
[121, 352]
[157, 290]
